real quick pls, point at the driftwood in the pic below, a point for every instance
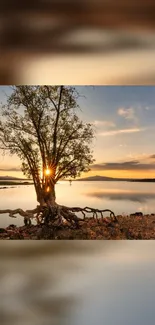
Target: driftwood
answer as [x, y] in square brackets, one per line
[58, 213]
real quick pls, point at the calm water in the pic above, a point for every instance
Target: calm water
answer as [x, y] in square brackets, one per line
[120, 197]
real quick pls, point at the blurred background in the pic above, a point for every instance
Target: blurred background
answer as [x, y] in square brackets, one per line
[80, 42]
[77, 282]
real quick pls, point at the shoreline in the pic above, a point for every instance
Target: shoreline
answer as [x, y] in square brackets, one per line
[14, 183]
[131, 227]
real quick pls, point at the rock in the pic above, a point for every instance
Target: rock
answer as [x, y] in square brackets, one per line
[136, 214]
[12, 226]
[2, 230]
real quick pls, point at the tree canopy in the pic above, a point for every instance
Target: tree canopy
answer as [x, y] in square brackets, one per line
[41, 126]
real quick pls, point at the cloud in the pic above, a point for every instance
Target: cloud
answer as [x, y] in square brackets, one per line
[142, 156]
[104, 123]
[152, 156]
[127, 165]
[122, 131]
[127, 113]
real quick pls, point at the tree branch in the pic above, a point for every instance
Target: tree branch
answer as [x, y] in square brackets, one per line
[51, 99]
[59, 175]
[59, 153]
[56, 125]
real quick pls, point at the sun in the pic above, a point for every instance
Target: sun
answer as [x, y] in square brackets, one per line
[47, 172]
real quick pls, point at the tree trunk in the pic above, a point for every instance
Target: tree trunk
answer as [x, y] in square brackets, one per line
[49, 195]
[46, 195]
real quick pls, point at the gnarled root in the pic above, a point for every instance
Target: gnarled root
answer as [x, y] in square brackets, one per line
[93, 211]
[28, 214]
[58, 214]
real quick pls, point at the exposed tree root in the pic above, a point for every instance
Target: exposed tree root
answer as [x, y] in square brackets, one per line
[28, 214]
[95, 212]
[58, 214]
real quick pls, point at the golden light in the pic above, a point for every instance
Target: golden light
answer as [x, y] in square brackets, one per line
[47, 190]
[47, 172]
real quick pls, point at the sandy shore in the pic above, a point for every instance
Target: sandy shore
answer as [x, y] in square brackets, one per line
[127, 227]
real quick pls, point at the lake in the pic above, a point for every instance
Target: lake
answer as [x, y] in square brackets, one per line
[120, 197]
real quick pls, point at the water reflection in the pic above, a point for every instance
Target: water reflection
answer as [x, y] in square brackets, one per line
[141, 197]
[120, 197]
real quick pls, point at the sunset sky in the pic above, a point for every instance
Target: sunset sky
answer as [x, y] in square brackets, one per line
[124, 119]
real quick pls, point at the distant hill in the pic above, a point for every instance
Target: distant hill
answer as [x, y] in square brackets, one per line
[110, 179]
[96, 178]
[11, 178]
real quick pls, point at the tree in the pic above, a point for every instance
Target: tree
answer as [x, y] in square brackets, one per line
[40, 125]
